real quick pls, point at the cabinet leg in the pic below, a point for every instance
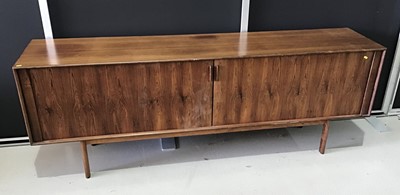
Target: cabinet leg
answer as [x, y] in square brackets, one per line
[85, 159]
[324, 137]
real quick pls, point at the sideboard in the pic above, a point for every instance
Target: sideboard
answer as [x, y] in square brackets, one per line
[115, 89]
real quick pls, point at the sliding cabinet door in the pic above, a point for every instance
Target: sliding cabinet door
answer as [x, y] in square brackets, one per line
[290, 87]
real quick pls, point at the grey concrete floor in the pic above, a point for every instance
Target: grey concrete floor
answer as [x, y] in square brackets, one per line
[358, 160]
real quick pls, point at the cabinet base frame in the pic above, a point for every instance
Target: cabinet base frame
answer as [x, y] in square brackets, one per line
[85, 157]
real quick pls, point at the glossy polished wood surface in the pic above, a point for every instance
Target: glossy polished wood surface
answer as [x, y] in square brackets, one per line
[251, 78]
[127, 50]
[105, 100]
[290, 87]
[104, 90]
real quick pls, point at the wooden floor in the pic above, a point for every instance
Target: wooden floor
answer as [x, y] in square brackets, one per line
[358, 160]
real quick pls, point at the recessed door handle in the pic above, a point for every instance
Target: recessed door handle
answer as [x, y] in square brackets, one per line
[216, 73]
[211, 72]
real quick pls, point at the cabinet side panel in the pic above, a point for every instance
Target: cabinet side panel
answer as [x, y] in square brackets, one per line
[290, 87]
[28, 105]
[115, 99]
[373, 81]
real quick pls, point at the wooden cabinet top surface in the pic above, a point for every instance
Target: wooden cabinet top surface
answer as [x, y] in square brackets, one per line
[140, 49]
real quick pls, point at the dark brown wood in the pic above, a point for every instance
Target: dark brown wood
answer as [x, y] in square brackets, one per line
[324, 137]
[85, 159]
[23, 106]
[84, 101]
[28, 105]
[104, 90]
[218, 130]
[377, 81]
[290, 87]
[378, 74]
[368, 88]
[139, 49]
[106, 100]
[202, 130]
[372, 83]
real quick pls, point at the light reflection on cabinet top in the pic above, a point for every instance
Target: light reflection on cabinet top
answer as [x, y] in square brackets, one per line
[140, 49]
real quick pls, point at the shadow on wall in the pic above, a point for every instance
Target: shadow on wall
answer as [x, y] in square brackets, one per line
[65, 159]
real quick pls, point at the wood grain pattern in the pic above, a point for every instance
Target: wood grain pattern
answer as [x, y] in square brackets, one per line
[106, 100]
[290, 87]
[100, 88]
[23, 105]
[104, 90]
[139, 49]
[28, 105]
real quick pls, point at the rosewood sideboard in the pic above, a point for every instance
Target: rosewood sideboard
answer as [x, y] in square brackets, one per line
[114, 89]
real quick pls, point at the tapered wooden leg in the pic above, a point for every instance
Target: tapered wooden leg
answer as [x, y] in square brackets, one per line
[324, 137]
[85, 159]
